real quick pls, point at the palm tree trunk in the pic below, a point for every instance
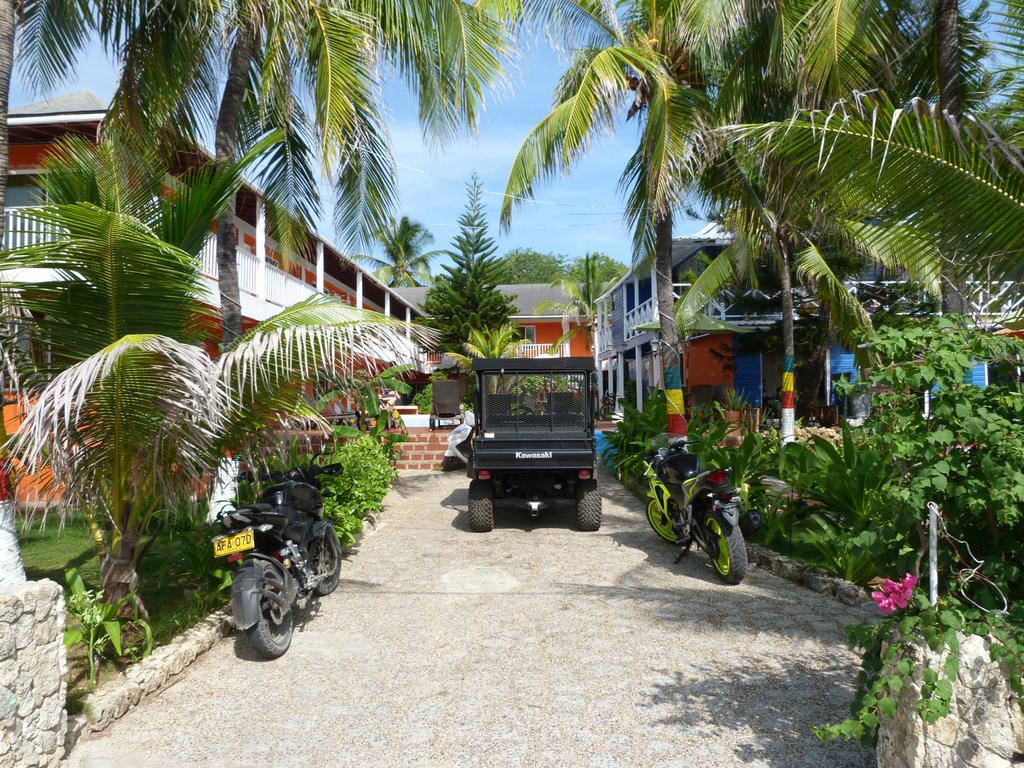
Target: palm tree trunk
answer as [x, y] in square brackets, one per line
[119, 576]
[669, 335]
[226, 144]
[947, 44]
[12, 570]
[787, 429]
[947, 31]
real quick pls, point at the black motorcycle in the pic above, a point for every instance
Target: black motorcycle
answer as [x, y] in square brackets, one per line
[687, 503]
[289, 553]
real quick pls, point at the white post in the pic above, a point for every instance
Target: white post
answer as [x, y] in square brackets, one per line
[387, 303]
[656, 371]
[636, 292]
[261, 250]
[654, 292]
[359, 288]
[620, 380]
[600, 381]
[408, 319]
[933, 552]
[320, 266]
[828, 377]
[638, 377]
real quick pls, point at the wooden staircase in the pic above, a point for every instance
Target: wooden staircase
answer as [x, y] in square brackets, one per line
[423, 450]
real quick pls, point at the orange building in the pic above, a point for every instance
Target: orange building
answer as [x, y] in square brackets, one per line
[542, 328]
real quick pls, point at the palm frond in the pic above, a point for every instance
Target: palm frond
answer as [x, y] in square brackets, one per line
[849, 318]
[961, 185]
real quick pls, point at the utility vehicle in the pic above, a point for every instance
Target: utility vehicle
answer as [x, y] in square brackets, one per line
[534, 438]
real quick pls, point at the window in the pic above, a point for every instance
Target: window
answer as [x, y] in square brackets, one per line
[23, 190]
[529, 333]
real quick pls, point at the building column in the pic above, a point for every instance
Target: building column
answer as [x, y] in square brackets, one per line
[638, 376]
[320, 266]
[620, 380]
[408, 319]
[261, 250]
[654, 292]
[600, 382]
[656, 371]
[387, 303]
[359, 288]
[828, 377]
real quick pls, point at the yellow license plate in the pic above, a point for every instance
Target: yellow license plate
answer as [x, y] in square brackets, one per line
[233, 542]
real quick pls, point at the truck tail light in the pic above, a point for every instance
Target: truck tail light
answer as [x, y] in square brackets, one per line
[483, 474]
[584, 474]
[718, 477]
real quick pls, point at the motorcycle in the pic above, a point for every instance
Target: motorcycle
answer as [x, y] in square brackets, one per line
[460, 445]
[288, 555]
[687, 503]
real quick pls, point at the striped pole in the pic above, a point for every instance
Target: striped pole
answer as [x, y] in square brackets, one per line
[787, 399]
[674, 396]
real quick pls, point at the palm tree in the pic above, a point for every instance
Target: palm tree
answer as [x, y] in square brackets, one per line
[957, 187]
[405, 262]
[129, 412]
[580, 306]
[487, 343]
[636, 63]
[318, 55]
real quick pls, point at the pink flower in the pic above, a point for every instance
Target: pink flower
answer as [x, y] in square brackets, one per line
[884, 603]
[894, 595]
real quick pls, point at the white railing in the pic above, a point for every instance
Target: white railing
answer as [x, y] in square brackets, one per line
[20, 231]
[544, 350]
[646, 312]
[603, 339]
[297, 290]
[276, 285]
[208, 258]
[248, 267]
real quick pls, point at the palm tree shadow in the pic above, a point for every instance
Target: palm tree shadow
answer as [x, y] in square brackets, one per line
[768, 709]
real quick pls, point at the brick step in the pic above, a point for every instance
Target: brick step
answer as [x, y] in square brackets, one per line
[418, 465]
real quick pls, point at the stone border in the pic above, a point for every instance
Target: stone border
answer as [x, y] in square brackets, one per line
[793, 570]
[162, 668]
[147, 677]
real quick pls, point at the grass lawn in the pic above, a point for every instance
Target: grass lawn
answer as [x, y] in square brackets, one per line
[173, 586]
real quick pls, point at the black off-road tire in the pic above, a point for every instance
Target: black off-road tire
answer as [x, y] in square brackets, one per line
[588, 505]
[481, 506]
[331, 552]
[737, 557]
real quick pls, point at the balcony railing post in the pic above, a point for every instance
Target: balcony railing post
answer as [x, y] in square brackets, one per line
[359, 288]
[261, 250]
[320, 266]
[408, 319]
[387, 303]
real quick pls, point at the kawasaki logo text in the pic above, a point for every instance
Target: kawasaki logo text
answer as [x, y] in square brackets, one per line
[528, 455]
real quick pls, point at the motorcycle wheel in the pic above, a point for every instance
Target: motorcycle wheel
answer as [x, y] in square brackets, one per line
[731, 560]
[271, 636]
[330, 564]
[660, 522]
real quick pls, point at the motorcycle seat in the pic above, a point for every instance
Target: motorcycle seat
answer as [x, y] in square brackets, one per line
[259, 514]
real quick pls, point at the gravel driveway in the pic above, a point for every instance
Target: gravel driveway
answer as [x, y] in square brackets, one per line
[531, 646]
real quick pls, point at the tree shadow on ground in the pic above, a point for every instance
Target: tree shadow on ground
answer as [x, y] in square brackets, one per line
[768, 708]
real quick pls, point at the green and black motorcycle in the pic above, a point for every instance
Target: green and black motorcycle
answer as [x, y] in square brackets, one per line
[687, 503]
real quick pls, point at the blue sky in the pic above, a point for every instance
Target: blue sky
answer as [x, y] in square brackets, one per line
[574, 214]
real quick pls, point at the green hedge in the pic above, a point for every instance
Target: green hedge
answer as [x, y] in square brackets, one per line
[360, 489]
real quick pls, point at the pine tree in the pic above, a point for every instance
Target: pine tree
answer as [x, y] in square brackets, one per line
[466, 297]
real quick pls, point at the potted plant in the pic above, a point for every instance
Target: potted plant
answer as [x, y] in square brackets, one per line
[735, 405]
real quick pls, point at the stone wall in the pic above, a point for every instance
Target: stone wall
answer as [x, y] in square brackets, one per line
[33, 667]
[984, 729]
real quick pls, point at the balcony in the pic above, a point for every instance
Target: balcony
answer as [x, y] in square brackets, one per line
[646, 312]
[544, 350]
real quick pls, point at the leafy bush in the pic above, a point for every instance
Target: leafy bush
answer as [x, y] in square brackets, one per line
[101, 624]
[627, 445]
[360, 489]
[424, 399]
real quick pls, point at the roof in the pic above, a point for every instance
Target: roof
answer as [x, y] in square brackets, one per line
[79, 102]
[525, 298]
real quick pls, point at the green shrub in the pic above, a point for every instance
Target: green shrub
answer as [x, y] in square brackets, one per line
[101, 625]
[631, 440]
[360, 489]
[424, 399]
